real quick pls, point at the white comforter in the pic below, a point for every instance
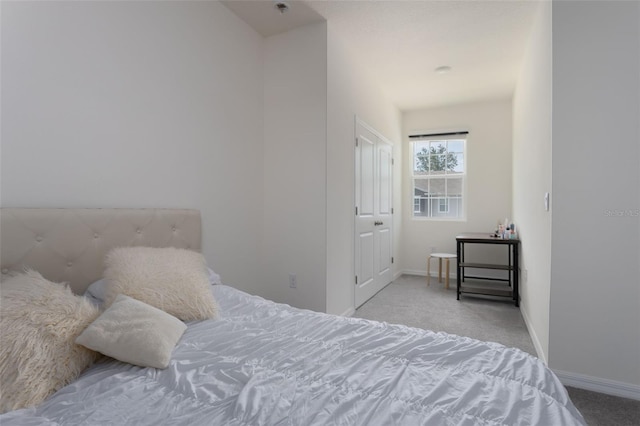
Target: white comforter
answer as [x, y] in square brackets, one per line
[263, 363]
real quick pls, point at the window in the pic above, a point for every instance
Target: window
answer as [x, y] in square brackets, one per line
[438, 173]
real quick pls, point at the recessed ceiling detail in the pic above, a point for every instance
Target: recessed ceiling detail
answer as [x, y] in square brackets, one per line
[401, 43]
[267, 19]
[281, 7]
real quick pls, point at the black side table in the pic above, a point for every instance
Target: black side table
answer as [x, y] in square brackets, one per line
[512, 266]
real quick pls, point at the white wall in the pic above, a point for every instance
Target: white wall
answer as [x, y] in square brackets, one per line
[595, 277]
[181, 104]
[313, 90]
[137, 104]
[532, 178]
[352, 92]
[488, 159]
[295, 167]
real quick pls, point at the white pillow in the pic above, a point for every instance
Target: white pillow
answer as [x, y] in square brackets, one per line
[171, 279]
[134, 332]
[97, 290]
[213, 277]
[39, 322]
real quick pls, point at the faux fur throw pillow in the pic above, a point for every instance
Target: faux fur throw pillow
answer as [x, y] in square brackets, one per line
[171, 279]
[39, 323]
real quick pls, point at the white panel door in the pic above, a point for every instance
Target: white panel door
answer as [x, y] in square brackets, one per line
[383, 211]
[373, 224]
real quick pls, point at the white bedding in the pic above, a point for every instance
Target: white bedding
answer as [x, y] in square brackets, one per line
[263, 363]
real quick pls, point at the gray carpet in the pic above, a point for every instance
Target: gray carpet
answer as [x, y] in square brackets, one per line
[409, 301]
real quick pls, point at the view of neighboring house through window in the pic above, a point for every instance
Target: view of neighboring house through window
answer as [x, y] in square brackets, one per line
[438, 176]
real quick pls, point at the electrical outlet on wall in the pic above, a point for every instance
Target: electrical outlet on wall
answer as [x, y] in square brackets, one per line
[293, 281]
[525, 276]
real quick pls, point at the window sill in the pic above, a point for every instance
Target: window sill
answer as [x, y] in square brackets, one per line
[439, 219]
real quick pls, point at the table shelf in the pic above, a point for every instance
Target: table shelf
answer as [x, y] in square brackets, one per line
[486, 266]
[489, 291]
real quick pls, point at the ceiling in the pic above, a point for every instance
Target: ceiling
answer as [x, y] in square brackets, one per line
[402, 42]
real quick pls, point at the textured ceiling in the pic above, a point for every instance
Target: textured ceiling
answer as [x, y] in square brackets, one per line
[402, 42]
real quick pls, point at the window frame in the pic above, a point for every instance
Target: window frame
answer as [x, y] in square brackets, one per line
[462, 176]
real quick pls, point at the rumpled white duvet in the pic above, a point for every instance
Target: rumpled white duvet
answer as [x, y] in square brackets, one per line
[263, 363]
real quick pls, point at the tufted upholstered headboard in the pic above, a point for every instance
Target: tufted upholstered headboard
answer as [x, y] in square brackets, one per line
[70, 244]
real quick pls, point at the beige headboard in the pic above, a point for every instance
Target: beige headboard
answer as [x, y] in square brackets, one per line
[70, 244]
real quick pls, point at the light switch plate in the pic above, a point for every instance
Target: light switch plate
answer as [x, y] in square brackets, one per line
[546, 201]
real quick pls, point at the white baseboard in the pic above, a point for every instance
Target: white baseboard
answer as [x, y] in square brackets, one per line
[534, 337]
[595, 384]
[415, 272]
[452, 274]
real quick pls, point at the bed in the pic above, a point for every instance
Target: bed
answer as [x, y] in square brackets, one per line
[263, 363]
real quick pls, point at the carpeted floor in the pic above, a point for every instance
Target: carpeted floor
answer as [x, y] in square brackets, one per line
[409, 301]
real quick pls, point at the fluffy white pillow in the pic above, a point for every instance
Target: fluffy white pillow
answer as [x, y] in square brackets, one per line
[40, 321]
[171, 279]
[96, 291]
[134, 332]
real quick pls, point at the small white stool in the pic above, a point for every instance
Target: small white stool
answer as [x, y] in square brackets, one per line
[439, 256]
